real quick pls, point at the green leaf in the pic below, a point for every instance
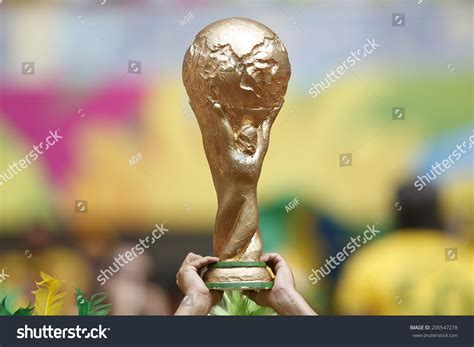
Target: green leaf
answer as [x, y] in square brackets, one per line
[3, 308]
[98, 298]
[24, 311]
[235, 304]
[94, 307]
[81, 303]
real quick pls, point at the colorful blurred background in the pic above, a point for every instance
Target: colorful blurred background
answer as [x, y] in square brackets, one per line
[107, 75]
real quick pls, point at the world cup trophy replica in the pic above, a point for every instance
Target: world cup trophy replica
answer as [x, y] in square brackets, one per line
[236, 74]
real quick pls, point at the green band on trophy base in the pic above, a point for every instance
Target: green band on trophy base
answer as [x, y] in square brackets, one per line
[226, 264]
[238, 275]
[239, 285]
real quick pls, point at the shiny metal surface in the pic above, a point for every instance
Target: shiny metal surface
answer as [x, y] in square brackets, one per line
[236, 74]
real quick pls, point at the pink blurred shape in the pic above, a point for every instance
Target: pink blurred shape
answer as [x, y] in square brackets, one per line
[34, 112]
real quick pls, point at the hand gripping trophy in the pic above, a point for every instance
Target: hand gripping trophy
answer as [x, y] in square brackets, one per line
[236, 74]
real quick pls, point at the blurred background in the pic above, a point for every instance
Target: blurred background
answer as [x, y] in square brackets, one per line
[107, 74]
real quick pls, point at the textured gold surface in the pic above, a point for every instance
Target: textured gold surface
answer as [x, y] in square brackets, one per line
[238, 274]
[236, 74]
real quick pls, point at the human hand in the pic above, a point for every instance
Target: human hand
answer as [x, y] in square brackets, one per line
[283, 297]
[198, 298]
[284, 281]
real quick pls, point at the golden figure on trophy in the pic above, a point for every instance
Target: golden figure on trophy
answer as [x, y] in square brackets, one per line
[236, 74]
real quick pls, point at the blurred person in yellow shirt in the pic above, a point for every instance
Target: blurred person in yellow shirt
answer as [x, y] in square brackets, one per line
[416, 270]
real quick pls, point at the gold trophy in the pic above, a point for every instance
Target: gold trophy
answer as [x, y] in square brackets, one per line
[236, 74]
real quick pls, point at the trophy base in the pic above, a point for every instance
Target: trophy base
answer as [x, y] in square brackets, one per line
[234, 275]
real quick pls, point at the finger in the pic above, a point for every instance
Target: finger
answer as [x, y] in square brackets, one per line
[204, 261]
[190, 257]
[273, 258]
[275, 261]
